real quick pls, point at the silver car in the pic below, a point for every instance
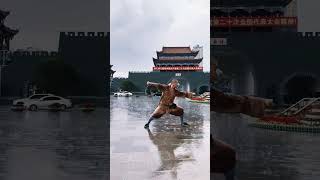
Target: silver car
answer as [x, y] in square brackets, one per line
[34, 97]
[46, 101]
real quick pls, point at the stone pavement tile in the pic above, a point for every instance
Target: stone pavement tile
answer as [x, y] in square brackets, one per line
[215, 176]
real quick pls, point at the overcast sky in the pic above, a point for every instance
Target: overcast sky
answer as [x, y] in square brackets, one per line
[308, 12]
[138, 27]
[40, 21]
[141, 27]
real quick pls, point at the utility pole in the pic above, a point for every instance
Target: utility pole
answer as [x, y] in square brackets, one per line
[4, 58]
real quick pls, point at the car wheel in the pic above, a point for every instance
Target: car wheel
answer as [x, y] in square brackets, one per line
[63, 107]
[33, 107]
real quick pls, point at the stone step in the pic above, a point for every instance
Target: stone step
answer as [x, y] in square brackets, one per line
[316, 106]
[272, 111]
[315, 110]
[312, 117]
[311, 123]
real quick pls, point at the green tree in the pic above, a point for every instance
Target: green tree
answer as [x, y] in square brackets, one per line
[57, 77]
[203, 89]
[128, 86]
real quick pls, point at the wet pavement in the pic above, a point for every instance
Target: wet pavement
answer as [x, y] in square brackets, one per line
[53, 145]
[266, 154]
[166, 151]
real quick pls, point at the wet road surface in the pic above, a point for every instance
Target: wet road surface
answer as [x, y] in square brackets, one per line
[53, 145]
[265, 154]
[166, 151]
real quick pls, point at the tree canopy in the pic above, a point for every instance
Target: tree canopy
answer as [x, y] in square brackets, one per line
[57, 77]
[128, 86]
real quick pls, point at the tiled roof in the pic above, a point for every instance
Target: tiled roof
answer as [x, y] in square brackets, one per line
[8, 31]
[3, 14]
[176, 50]
[177, 60]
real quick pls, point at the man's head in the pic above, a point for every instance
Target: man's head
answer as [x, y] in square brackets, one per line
[174, 83]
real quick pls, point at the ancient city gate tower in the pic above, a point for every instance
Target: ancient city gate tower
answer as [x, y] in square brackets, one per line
[182, 63]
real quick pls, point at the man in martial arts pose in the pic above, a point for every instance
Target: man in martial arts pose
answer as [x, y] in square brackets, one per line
[166, 104]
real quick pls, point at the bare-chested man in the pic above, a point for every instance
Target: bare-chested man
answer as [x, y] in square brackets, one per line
[166, 104]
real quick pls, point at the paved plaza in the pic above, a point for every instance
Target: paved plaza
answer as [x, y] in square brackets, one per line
[164, 152]
[47, 145]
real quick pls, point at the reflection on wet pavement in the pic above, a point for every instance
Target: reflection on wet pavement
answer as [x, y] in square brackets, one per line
[53, 145]
[166, 151]
[266, 154]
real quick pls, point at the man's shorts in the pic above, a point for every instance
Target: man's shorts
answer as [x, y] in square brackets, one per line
[163, 109]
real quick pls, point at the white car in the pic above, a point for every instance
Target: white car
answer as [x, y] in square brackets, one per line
[29, 99]
[46, 101]
[122, 94]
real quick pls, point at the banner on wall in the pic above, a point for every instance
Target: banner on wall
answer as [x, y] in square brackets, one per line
[186, 68]
[254, 21]
[219, 41]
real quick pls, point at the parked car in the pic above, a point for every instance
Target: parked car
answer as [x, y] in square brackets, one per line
[157, 94]
[122, 94]
[47, 101]
[29, 99]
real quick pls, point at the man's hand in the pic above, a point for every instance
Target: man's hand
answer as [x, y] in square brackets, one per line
[148, 83]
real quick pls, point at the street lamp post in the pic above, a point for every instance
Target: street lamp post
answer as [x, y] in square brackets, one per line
[4, 58]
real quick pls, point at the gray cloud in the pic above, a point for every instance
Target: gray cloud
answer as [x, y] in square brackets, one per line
[140, 27]
[40, 21]
[308, 12]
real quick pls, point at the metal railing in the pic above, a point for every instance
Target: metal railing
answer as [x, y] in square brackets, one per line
[298, 107]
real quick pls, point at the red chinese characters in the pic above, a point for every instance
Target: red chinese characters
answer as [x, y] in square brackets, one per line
[254, 21]
[177, 68]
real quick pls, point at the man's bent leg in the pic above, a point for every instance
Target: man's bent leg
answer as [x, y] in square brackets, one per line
[183, 123]
[155, 115]
[178, 111]
[223, 158]
[149, 121]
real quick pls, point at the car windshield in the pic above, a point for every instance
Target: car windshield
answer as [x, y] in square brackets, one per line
[38, 96]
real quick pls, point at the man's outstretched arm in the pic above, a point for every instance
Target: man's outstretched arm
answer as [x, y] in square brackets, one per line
[183, 94]
[156, 85]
